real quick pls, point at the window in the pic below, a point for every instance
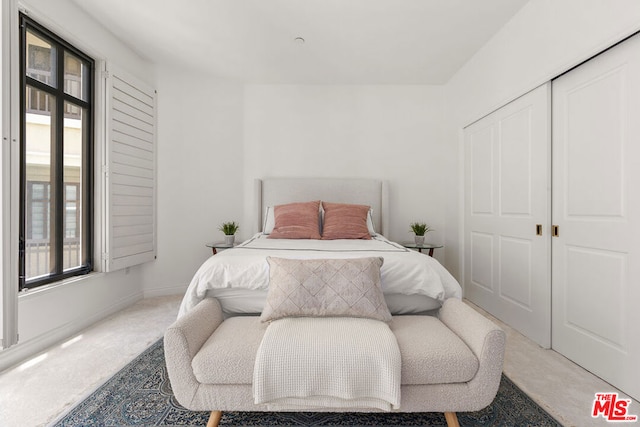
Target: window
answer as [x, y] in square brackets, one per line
[56, 157]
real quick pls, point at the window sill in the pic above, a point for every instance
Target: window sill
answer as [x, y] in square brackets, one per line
[51, 287]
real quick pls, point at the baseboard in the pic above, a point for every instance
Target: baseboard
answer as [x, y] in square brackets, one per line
[20, 352]
[163, 292]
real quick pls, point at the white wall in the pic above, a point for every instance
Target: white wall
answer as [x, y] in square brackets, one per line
[216, 138]
[69, 21]
[387, 132]
[200, 170]
[4, 138]
[48, 315]
[546, 38]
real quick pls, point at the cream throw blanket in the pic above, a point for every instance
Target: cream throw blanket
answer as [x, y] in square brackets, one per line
[334, 362]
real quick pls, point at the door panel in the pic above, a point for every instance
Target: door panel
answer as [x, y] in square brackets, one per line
[596, 277]
[515, 164]
[482, 260]
[506, 195]
[482, 171]
[587, 269]
[586, 155]
[515, 271]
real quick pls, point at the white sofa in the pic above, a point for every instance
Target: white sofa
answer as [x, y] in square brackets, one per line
[450, 363]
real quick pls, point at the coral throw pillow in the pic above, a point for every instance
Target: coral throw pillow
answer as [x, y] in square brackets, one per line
[345, 221]
[296, 221]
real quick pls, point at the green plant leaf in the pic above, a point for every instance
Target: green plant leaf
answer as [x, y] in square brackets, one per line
[419, 228]
[229, 228]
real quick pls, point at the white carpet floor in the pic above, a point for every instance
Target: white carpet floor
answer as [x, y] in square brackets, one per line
[38, 391]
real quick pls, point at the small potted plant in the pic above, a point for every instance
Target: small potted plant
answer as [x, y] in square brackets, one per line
[419, 229]
[229, 229]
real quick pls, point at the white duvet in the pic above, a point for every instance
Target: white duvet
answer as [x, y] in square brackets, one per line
[403, 272]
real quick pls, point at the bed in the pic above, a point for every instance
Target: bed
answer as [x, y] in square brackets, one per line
[239, 278]
[328, 314]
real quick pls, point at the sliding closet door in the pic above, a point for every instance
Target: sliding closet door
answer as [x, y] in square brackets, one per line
[507, 213]
[596, 205]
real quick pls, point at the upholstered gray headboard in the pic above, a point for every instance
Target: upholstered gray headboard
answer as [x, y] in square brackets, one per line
[362, 191]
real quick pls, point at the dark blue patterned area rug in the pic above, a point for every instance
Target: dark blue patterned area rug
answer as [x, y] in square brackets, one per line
[140, 395]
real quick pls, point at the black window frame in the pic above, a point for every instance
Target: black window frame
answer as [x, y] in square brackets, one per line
[58, 189]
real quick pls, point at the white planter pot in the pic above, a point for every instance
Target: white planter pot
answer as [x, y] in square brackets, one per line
[419, 240]
[229, 239]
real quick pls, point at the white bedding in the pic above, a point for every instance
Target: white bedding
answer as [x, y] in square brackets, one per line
[403, 272]
[239, 301]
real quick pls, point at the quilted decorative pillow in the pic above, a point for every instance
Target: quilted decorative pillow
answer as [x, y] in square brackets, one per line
[345, 221]
[296, 221]
[325, 288]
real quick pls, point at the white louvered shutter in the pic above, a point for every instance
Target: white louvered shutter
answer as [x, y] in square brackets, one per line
[130, 172]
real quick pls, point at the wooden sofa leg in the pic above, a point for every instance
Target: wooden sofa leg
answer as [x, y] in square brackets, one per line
[214, 418]
[452, 419]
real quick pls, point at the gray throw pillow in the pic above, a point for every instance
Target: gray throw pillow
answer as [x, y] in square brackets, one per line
[325, 288]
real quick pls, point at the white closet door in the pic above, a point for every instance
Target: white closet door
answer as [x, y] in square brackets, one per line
[596, 204]
[507, 195]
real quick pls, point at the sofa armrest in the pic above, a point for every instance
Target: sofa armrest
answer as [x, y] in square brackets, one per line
[183, 339]
[485, 339]
[471, 326]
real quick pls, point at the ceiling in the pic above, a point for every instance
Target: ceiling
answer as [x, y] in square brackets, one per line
[345, 41]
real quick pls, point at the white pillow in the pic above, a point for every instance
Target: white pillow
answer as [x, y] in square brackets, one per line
[269, 220]
[372, 229]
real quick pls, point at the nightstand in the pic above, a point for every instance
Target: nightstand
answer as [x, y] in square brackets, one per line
[419, 248]
[215, 246]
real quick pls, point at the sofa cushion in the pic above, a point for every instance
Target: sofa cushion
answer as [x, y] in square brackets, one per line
[431, 353]
[229, 354]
